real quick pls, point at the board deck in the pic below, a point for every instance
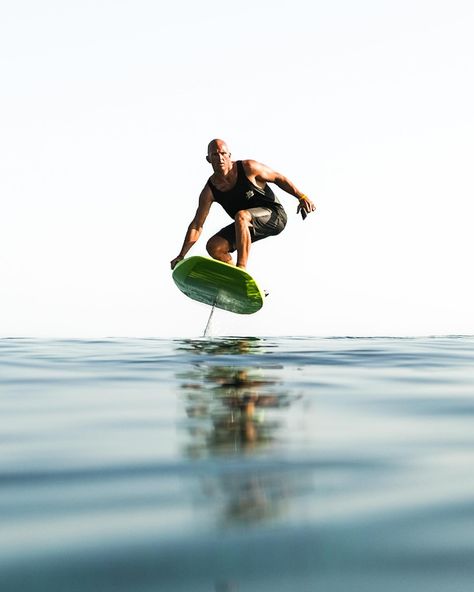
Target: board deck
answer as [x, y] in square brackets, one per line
[218, 284]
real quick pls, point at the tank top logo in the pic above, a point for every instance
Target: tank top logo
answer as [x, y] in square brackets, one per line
[249, 194]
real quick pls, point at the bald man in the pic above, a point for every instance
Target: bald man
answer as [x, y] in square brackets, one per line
[241, 188]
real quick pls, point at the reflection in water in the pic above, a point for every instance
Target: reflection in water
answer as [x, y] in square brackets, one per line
[235, 411]
[234, 400]
[226, 346]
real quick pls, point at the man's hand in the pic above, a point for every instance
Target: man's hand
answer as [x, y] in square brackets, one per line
[305, 206]
[176, 260]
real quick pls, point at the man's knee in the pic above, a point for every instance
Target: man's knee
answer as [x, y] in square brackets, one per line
[243, 217]
[216, 245]
[211, 245]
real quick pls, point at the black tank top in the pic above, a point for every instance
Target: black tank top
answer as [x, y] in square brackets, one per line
[245, 195]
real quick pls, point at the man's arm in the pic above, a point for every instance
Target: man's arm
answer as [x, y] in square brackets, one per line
[260, 174]
[195, 228]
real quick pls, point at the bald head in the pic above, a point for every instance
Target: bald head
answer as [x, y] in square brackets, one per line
[217, 146]
[218, 156]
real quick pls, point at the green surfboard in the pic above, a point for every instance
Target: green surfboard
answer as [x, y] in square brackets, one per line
[218, 284]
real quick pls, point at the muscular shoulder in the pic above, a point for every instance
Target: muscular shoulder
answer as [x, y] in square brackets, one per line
[251, 167]
[257, 170]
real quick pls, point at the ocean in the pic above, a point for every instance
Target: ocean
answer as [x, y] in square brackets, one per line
[237, 464]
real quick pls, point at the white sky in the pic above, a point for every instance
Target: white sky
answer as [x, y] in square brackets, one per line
[107, 107]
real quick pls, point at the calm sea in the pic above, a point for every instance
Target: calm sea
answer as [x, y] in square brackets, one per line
[237, 465]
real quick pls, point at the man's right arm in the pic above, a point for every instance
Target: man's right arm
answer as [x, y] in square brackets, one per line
[195, 228]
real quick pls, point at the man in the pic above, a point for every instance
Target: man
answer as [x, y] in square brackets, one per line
[242, 190]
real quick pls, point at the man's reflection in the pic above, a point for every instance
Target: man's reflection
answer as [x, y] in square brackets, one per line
[235, 410]
[226, 346]
[233, 401]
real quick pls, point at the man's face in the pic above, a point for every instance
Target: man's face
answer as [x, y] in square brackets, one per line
[219, 156]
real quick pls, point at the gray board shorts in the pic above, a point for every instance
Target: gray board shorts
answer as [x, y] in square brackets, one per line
[265, 222]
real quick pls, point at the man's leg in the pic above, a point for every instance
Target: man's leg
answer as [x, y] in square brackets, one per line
[233, 237]
[243, 221]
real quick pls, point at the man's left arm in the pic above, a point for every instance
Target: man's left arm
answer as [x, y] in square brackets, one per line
[262, 173]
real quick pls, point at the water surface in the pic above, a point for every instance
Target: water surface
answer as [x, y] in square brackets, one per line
[237, 464]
